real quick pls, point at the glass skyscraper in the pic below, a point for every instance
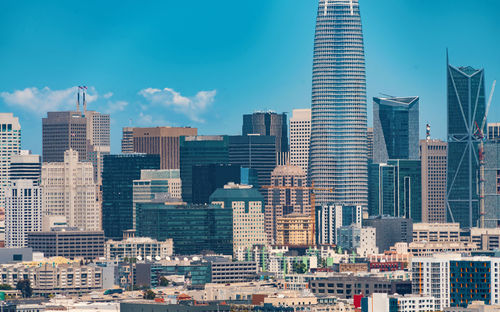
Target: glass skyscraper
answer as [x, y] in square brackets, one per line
[395, 128]
[338, 152]
[466, 108]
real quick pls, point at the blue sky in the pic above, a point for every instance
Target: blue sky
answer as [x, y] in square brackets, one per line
[205, 63]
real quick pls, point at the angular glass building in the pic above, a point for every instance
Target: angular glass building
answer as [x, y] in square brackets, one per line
[338, 151]
[466, 108]
[395, 128]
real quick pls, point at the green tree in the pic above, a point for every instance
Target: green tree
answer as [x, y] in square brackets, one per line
[164, 281]
[5, 287]
[149, 294]
[299, 267]
[25, 287]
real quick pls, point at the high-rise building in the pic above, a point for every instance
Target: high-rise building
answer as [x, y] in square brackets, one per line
[199, 150]
[209, 177]
[390, 230]
[395, 128]
[395, 189]
[62, 131]
[98, 140]
[248, 213]
[194, 228]
[10, 134]
[268, 124]
[493, 133]
[23, 198]
[300, 136]
[118, 175]
[156, 185]
[69, 190]
[338, 112]
[163, 141]
[256, 152]
[433, 156]
[466, 108]
[330, 217]
[127, 140]
[23, 211]
[285, 196]
[369, 144]
[492, 184]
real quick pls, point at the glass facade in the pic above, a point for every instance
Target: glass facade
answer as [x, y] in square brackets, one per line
[193, 228]
[209, 177]
[119, 172]
[268, 123]
[395, 128]
[338, 150]
[466, 108]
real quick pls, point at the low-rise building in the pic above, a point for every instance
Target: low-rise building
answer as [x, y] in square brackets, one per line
[361, 240]
[225, 271]
[139, 247]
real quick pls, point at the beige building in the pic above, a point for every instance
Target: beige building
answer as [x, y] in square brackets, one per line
[163, 141]
[68, 189]
[98, 140]
[135, 247]
[424, 249]
[300, 134]
[436, 232]
[285, 196]
[433, 155]
[294, 230]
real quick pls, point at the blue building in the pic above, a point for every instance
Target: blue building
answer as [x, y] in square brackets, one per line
[473, 280]
[395, 128]
[118, 174]
[466, 108]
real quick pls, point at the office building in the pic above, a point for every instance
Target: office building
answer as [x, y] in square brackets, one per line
[69, 190]
[67, 242]
[395, 128]
[248, 213]
[359, 240]
[195, 270]
[11, 255]
[25, 166]
[62, 131]
[395, 189]
[330, 217]
[119, 172]
[23, 211]
[163, 141]
[466, 107]
[493, 131]
[492, 184]
[127, 142]
[98, 140]
[256, 152]
[294, 230]
[268, 124]
[338, 148]
[139, 248]
[209, 177]
[300, 136]
[225, 271]
[10, 134]
[433, 157]
[287, 194]
[369, 144]
[156, 186]
[390, 230]
[198, 150]
[249, 177]
[193, 228]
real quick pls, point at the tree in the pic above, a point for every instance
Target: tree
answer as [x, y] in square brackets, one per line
[299, 267]
[5, 287]
[164, 281]
[25, 287]
[149, 294]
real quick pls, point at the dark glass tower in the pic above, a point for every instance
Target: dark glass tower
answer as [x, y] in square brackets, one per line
[466, 108]
[395, 128]
[118, 174]
[62, 131]
[209, 177]
[338, 150]
[268, 123]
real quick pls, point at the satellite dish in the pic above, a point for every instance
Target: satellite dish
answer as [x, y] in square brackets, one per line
[167, 258]
[186, 259]
[139, 258]
[149, 258]
[195, 258]
[176, 259]
[157, 258]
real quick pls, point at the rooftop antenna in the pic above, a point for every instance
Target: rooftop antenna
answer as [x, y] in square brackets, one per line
[78, 99]
[84, 101]
[428, 132]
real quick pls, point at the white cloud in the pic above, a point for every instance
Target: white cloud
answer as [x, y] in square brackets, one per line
[192, 107]
[108, 95]
[115, 106]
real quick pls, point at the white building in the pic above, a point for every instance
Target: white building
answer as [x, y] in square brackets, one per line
[362, 240]
[300, 133]
[330, 217]
[10, 135]
[415, 303]
[23, 211]
[69, 190]
[134, 247]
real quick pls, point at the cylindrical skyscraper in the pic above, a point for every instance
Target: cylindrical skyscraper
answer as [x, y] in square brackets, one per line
[338, 153]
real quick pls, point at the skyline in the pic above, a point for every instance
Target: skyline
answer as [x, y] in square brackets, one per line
[212, 81]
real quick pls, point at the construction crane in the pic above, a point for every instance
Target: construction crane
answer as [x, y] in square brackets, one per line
[312, 189]
[479, 134]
